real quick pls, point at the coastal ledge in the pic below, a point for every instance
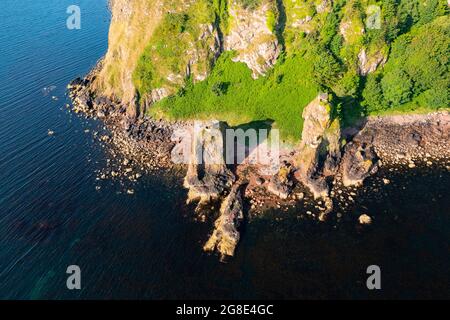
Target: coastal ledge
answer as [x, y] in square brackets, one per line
[351, 155]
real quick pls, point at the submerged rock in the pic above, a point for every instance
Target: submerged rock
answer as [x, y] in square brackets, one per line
[225, 236]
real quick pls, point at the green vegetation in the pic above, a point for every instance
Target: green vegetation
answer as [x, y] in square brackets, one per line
[416, 76]
[249, 4]
[231, 94]
[178, 33]
[322, 50]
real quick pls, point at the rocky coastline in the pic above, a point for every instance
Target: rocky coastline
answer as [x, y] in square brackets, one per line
[323, 172]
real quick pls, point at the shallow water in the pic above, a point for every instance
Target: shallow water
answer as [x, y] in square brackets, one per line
[147, 245]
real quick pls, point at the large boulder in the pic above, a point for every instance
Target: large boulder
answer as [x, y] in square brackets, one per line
[359, 162]
[281, 183]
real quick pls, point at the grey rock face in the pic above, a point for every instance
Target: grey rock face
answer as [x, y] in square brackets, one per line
[370, 64]
[255, 44]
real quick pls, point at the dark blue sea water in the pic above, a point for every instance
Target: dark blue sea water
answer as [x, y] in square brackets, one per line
[147, 245]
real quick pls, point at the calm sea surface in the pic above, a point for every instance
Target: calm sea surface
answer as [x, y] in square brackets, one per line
[147, 245]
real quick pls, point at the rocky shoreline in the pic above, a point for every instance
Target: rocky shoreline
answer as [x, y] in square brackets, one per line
[322, 173]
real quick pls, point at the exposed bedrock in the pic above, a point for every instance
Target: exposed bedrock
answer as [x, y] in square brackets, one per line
[319, 152]
[207, 176]
[225, 236]
[359, 162]
[256, 45]
[208, 179]
[281, 184]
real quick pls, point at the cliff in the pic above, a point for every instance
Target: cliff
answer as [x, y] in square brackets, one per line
[292, 49]
[317, 70]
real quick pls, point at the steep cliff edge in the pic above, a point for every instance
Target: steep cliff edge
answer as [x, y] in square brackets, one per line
[132, 25]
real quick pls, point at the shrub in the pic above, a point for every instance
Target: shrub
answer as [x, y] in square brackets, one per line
[219, 88]
[397, 87]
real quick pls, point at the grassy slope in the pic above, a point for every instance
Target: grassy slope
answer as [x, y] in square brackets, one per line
[279, 96]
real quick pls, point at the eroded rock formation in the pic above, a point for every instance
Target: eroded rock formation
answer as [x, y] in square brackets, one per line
[207, 176]
[225, 236]
[358, 163]
[320, 141]
[281, 184]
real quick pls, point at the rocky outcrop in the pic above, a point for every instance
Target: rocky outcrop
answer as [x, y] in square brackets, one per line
[368, 64]
[256, 45]
[225, 236]
[351, 26]
[207, 176]
[319, 138]
[204, 56]
[358, 163]
[323, 6]
[281, 184]
[154, 96]
[209, 179]
[331, 149]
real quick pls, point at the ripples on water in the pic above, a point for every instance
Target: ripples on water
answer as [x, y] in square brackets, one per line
[145, 245]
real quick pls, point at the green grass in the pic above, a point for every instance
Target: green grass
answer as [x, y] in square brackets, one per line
[230, 94]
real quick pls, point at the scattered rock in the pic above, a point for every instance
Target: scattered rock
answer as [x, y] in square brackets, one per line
[365, 219]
